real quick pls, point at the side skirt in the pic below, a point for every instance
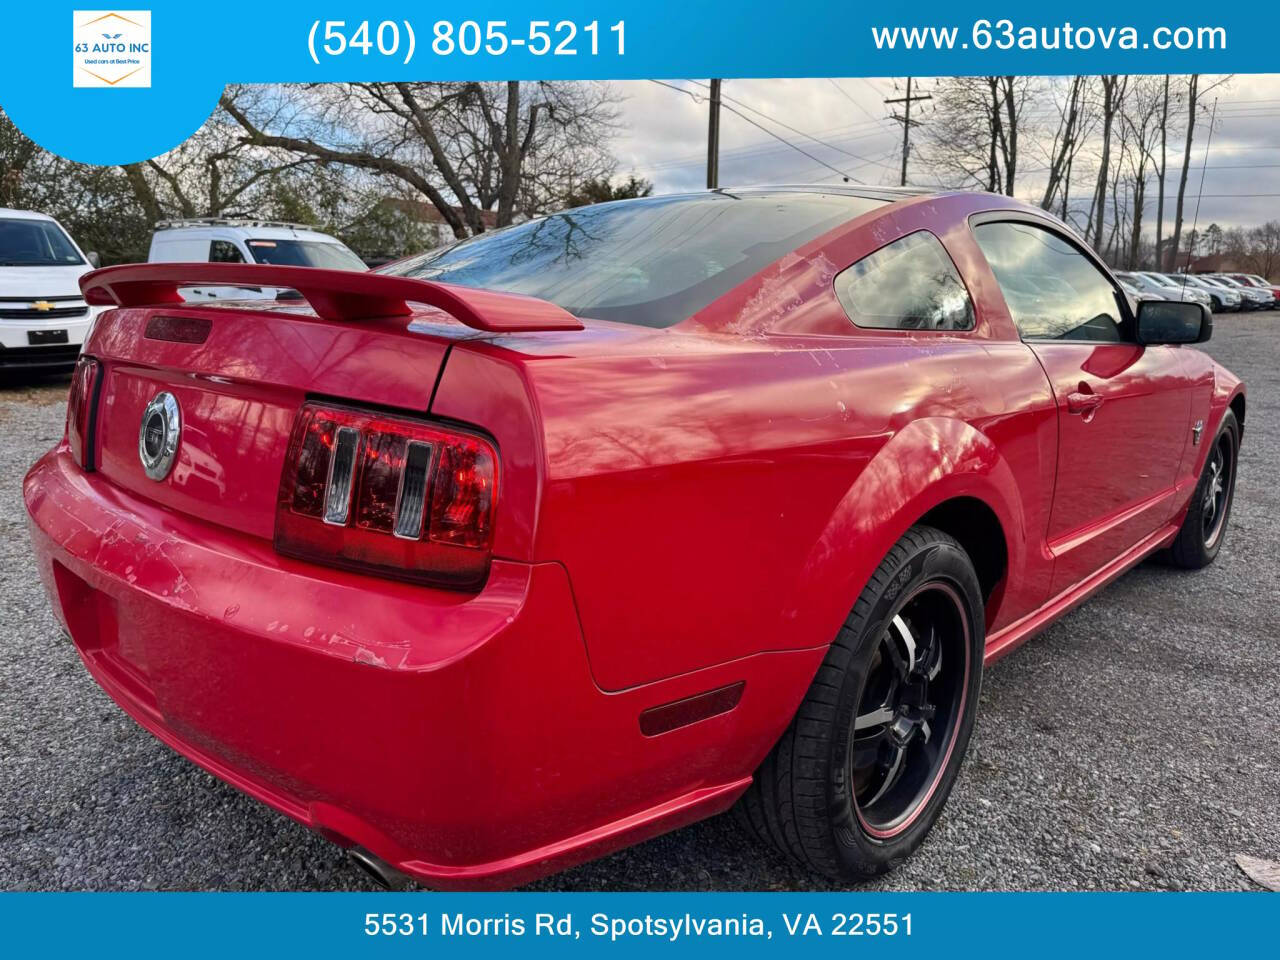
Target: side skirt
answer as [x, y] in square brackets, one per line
[1009, 638]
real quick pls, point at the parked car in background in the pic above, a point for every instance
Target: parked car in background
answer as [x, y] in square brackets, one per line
[1157, 286]
[1135, 292]
[230, 240]
[1181, 290]
[1258, 298]
[1253, 280]
[43, 315]
[1249, 299]
[575, 532]
[1225, 299]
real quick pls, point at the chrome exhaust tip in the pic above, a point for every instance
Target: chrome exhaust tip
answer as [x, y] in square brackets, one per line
[383, 873]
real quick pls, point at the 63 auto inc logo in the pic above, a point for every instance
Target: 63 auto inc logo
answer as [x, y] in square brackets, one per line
[112, 48]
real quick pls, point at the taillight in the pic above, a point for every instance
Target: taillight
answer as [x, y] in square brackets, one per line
[81, 401]
[388, 495]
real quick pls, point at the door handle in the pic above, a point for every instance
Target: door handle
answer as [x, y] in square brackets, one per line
[1083, 403]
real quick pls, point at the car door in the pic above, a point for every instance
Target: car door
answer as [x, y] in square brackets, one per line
[1123, 409]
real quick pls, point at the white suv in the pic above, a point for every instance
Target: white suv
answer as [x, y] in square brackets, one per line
[226, 240]
[43, 317]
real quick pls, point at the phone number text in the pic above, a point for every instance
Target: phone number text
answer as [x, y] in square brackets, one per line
[398, 40]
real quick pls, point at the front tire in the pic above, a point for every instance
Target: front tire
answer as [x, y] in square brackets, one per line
[861, 774]
[1205, 525]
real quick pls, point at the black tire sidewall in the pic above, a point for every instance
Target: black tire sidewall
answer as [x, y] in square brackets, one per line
[940, 559]
[1191, 535]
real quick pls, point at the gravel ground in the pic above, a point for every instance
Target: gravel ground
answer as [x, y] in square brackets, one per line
[1135, 744]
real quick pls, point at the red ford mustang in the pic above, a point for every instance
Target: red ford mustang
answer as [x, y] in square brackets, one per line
[573, 533]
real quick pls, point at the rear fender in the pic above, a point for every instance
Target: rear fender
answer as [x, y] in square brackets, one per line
[928, 462]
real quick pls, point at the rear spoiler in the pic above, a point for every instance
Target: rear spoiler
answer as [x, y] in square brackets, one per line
[333, 294]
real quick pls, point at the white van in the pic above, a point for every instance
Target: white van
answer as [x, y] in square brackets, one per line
[43, 318]
[219, 240]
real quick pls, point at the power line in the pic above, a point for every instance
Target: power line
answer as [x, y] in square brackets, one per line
[870, 86]
[737, 113]
[857, 103]
[787, 126]
[793, 146]
[759, 148]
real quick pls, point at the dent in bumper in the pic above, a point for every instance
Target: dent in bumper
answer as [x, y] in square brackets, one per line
[461, 738]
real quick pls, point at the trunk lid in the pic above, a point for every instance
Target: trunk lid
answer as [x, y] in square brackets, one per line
[239, 391]
[240, 371]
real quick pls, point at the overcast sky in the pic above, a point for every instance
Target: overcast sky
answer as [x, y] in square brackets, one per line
[664, 139]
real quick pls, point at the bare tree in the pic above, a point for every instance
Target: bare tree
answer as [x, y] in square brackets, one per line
[1113, 90]
[1119, 202]
[1195, 100]
[1264, 249]
[1068, 137]
[214, 172]
[976, 129]
[1193, 84]
[1141, 123]
[480, 153]
[1162, 169]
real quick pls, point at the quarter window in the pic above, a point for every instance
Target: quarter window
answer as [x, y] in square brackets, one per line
[224, 251]
[911, 284]
[1053, 291]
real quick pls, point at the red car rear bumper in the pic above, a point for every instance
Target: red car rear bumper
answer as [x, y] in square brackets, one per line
[460, 738]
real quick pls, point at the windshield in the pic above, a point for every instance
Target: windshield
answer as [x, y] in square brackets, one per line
[305, 253]
[652, 262]
[35, 243]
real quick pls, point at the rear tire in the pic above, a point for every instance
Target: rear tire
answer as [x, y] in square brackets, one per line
[861, 774]
[1205, 525]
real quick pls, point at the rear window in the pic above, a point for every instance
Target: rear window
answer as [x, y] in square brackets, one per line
[652, 262]
[910, 284]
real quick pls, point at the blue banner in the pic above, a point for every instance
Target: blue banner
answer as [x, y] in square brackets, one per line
[930, 925]
[141, 81]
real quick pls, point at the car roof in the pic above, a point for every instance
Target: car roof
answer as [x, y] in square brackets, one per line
[247, 229]
[861, 191]
[11, 214]
[865, 191]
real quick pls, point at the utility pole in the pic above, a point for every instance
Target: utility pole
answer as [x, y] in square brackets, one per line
[907, 123]
[713, 138]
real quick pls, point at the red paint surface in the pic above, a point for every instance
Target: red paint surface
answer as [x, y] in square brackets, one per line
[681, 510]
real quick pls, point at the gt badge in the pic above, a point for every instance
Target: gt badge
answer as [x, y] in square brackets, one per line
[1195, 433]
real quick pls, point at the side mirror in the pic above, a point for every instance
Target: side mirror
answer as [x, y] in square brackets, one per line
[95, 261]
[1173, 321]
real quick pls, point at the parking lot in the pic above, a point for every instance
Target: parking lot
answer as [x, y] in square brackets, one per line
[1135, 744]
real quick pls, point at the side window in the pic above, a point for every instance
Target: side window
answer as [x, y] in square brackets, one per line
[224, 251]
[911, 284]
[1053, 291]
